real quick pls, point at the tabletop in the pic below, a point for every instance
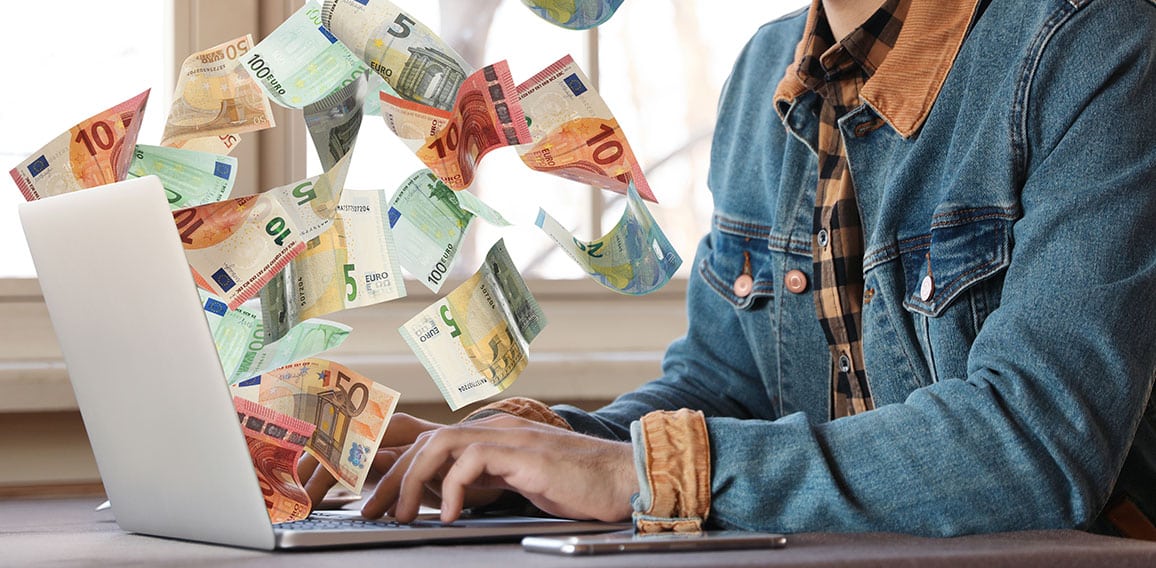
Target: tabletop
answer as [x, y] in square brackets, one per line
[68, 532]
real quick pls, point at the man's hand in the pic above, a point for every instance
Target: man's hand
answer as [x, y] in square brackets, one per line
[402, 431]
[563, 473]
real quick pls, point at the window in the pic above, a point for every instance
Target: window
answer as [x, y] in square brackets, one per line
[659, 65]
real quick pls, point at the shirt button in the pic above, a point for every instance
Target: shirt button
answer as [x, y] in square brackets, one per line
[926, 288]
[743, 285]
[822, 236]
[796, 281]
[844, 363]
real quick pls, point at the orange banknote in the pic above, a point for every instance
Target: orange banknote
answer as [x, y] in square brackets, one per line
[486, 116]
[575, 135]
[95, 152]
[276, 442]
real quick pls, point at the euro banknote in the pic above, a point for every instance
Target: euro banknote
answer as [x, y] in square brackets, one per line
[574, 14]
[486, 116]
[475, 341]
[575, 135]
[412, 59]
[234, 247]
[301, 62]
[240, 340]
[97, 151]
[275, 443]
[355, 263]
[215, 100]
[428, 225]
[634, 258]
[351, 412]
[190, 178]
[311, 203]
[412, 122]
[334, 121]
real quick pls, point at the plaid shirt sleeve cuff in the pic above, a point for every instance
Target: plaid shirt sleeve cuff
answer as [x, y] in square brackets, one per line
[672, 457]
[521, 407]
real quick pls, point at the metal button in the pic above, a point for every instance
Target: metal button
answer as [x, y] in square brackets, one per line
[926, 288]
[822, 237]
[743, 285]
[844, 363]
[795, 281]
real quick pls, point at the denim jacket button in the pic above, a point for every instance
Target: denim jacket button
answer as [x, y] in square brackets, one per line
[743, 285]
[796, 281]
[926, 288]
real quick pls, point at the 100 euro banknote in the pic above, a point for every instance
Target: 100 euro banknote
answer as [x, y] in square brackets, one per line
[234, 247]
[634, 258]
[215, 100]
[190, 178]
[575, 135]
[301, 62]
[351, 412]
[417, 64]
[241, 346]
[97, 151]
[475, 341]
[275, 443]
[354, 263]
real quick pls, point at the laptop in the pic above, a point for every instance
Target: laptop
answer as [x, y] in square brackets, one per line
[154, 398]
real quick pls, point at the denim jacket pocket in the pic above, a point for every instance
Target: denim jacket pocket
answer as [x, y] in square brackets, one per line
[739, 267]
[966, 247]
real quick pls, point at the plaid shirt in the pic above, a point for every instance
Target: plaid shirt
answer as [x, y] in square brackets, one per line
[837, 72]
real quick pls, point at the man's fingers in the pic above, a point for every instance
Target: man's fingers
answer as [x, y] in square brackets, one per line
[305, 466]
[404, 429]
[479, 465]
[385, 494]
[320, 482]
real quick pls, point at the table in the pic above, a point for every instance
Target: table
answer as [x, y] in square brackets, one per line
[68, 532]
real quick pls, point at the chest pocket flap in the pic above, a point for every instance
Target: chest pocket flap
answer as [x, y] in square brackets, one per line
[739, 249]
[965, 248]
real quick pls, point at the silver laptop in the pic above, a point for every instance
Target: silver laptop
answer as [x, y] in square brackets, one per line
[152, 393]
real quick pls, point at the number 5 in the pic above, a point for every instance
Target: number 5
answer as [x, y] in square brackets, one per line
[350, 283]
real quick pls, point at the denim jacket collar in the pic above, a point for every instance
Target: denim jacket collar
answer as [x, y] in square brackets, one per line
[907, 82]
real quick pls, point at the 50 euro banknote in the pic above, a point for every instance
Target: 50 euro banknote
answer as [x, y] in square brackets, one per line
[275, 443]
[475, 341]
[215, 100]
[96, 151]
[351, 412]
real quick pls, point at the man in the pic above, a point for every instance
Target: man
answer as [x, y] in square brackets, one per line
[927, 303]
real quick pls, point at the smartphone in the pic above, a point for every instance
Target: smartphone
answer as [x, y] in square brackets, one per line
[629, 541]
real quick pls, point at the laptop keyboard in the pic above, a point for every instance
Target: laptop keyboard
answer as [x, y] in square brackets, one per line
[327, 521]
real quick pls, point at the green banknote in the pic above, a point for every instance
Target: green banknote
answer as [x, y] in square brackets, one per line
[634, 258]
[351, 412]
[301, 62]
[429, 220]
[239, 337]
[190, 178]
[475, 341]
[335, 120]
[354, 263]
[412, 59]
[312, 202]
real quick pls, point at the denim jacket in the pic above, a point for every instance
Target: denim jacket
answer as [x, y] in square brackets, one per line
[1010, 267]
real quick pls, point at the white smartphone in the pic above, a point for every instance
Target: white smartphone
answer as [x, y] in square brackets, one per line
[629, 541]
